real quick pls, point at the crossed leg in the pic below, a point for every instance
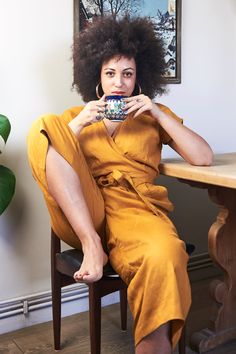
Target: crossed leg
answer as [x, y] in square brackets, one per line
[64, 185]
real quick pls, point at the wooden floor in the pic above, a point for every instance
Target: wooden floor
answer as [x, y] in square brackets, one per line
[75, 333]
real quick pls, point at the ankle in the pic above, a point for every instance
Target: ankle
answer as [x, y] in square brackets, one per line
[90, 242]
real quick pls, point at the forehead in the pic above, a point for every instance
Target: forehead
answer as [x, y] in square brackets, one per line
[119, 61]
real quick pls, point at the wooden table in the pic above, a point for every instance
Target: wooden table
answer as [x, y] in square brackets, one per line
[220, 180]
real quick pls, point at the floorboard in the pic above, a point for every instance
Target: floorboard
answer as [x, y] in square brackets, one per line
[75, 331]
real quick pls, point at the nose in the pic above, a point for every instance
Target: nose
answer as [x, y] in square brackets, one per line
[118, 81]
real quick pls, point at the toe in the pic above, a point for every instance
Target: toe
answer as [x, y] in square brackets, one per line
[91, 278]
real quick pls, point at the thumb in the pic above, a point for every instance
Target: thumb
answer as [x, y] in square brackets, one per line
[102, 98]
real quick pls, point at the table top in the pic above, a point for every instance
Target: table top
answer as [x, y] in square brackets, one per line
[221, 173]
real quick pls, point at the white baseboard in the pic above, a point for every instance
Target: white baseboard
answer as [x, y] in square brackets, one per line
[25, 312]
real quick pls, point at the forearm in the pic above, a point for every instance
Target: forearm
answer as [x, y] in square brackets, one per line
[191, 146]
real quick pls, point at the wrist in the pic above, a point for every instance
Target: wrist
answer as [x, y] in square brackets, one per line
[156, 112]
[76, 127]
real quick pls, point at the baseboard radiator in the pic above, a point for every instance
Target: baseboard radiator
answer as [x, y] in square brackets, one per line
[24, 305]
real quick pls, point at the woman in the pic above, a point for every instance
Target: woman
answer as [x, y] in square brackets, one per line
[97, 176]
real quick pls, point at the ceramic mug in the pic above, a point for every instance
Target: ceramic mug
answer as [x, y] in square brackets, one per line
[114, 108]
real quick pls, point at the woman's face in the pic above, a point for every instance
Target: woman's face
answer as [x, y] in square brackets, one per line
[118, 76]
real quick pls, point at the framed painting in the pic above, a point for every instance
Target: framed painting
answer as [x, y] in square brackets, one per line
[165, 14]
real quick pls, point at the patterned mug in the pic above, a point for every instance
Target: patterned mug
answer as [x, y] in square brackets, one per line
[114, 109]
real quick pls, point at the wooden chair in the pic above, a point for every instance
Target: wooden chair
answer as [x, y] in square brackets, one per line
[63, 266]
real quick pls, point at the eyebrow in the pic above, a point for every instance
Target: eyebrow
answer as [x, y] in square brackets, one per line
[115, 70]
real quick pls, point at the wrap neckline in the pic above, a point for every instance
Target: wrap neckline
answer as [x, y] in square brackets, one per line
[116, 130]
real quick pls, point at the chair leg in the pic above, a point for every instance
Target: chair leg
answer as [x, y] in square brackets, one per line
[123, 308]
[56, 312]
[95, 318]
[182, 342]
[56, 295]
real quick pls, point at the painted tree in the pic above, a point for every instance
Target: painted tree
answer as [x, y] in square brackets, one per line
[123, 7]
[95, 7]
[110, 7]
[118, 7]
[100, 5]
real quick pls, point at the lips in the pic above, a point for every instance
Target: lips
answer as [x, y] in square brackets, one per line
[118, 92]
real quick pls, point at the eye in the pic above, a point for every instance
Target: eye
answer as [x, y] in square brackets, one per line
[128, 74]
[109, 73]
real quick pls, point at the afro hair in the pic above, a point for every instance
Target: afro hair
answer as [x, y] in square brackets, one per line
[107, 37]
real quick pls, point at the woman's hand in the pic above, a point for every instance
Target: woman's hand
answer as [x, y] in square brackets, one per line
[140, 104]
[91, 113]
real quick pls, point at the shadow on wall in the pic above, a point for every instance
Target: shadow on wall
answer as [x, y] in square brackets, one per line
[194, 212]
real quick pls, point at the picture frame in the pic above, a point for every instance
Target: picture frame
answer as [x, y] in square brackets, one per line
[166, 14]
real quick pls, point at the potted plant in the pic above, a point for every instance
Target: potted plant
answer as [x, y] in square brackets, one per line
[7, 177]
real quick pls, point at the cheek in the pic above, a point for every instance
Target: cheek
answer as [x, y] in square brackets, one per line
[102, 79]
[105, 81]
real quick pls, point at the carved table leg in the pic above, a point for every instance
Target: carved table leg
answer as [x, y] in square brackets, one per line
[222, 249]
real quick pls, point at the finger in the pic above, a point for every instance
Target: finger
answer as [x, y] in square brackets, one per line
[103, 98]
[99, 116]
[131, 98]
[101, 104]
[140, 111]
[133, 104]
[134, 107]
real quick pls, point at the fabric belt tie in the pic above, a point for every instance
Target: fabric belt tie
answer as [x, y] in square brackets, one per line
[118, 178]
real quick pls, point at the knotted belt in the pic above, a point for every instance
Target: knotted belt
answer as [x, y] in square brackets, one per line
[118, 178]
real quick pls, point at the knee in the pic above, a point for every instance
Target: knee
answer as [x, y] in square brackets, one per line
[169, 253]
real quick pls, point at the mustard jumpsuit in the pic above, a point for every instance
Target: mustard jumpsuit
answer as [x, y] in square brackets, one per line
[117, 175]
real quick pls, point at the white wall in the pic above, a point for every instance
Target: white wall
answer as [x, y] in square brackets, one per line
[206, 97]
[35, 78]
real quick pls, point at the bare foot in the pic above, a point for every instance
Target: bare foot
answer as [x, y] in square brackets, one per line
[94, 260]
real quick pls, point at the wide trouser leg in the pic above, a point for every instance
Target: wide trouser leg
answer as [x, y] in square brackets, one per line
[159, 291]
[149, 256]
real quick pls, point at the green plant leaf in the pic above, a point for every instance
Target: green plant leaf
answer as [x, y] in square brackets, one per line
[7, 187]
[5, 127]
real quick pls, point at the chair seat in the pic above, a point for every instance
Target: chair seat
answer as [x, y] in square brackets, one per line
[69, 261]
